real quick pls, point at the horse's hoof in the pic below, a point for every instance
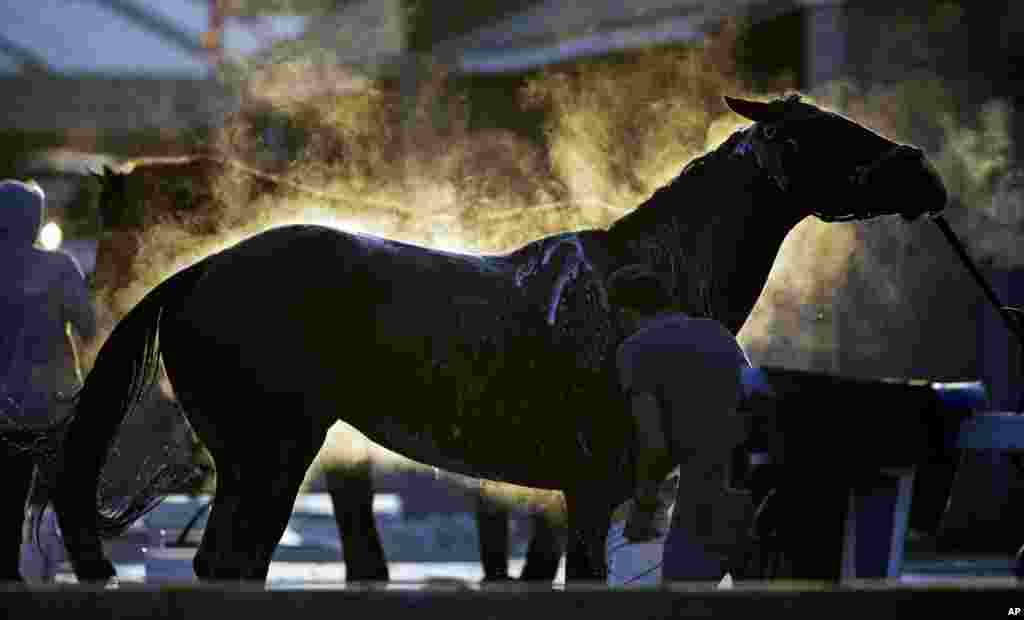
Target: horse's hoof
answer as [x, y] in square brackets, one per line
[363, 585]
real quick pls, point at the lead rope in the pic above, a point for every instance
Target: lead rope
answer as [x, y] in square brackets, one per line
[1012, 317]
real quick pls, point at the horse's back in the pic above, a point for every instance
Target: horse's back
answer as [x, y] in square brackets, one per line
[317, 310]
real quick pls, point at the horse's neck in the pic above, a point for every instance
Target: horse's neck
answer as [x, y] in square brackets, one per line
[716, 236]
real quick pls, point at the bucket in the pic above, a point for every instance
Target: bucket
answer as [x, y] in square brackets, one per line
[633, 564]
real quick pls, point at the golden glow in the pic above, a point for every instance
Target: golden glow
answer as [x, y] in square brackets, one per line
[51, 236]
[409, 167]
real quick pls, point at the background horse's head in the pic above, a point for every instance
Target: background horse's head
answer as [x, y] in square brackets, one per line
[842, 170]
[112, 193]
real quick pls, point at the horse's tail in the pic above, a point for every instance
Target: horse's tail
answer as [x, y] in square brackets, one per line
[130, 358]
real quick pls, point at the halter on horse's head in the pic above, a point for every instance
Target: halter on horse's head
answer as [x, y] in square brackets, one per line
[841, 170]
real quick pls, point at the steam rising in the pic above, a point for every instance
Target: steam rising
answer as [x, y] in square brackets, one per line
[365, 152]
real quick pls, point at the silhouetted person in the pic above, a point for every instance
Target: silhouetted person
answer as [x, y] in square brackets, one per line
[681, 376]
[41, 292]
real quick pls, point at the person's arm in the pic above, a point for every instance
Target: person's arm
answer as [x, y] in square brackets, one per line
[77, 301]
[652, 464]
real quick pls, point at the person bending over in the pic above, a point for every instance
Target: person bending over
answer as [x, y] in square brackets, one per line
[681, 376]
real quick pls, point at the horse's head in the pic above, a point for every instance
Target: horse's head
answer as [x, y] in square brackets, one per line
[112, 184]
[838, 168]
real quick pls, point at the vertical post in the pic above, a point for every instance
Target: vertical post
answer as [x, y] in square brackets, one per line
[1013, 45]
[876, 526]
[901, 522]
[417, 43]
[213, 38]
[825, 42]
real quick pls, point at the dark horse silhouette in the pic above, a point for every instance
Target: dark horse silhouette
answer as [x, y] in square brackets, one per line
[498, 367]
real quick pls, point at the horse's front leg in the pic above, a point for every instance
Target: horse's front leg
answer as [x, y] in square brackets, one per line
[589, 516]
[652, 463]
[351, 491]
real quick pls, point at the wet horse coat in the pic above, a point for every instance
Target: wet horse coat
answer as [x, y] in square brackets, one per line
[498, 366]
[460, 325]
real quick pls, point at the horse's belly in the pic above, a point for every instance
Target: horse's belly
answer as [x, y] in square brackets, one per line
[467, 399]
[491, 455]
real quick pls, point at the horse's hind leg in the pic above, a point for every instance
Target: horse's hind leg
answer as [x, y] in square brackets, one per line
[256, 488]
[351, 489]
[492, 527]
[545, 550]
[589, 519]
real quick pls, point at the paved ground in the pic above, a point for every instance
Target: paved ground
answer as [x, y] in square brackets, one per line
[424, 551]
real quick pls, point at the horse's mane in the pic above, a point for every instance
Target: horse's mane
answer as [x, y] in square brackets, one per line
[639, 216]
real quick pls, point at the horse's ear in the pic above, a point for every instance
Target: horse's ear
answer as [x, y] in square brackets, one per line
[757, 111]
